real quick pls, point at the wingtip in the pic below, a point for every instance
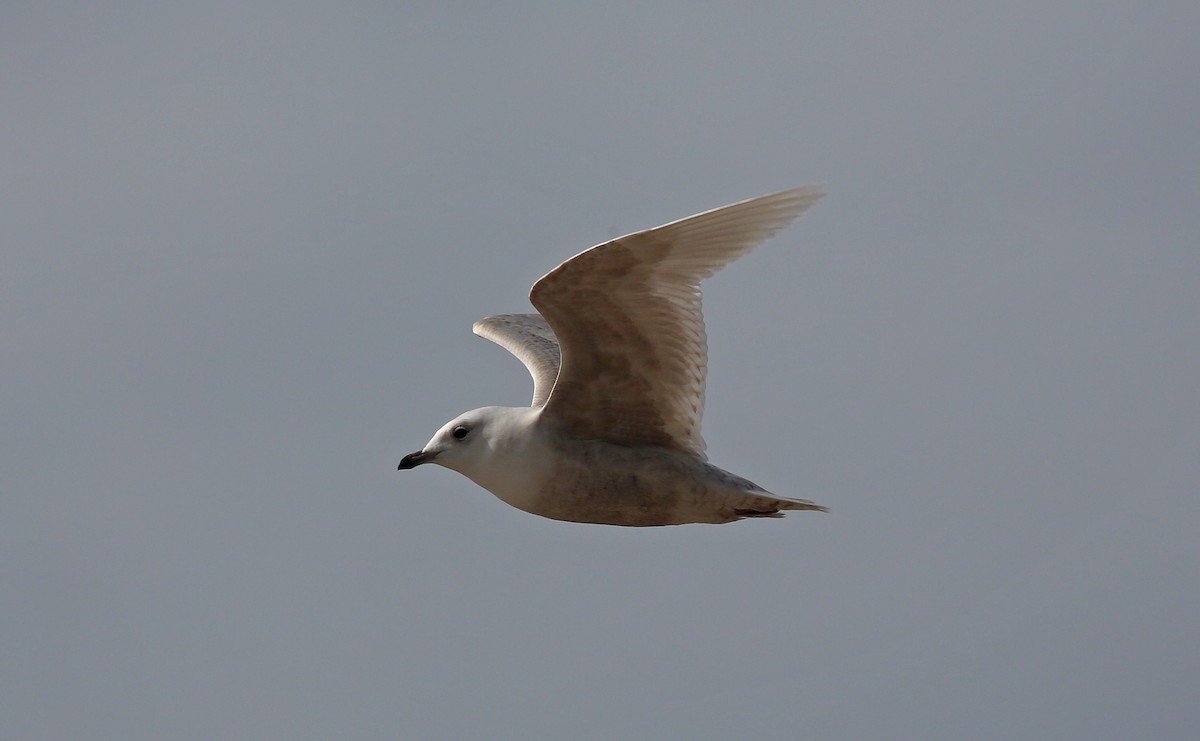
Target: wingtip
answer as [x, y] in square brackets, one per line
[784, 206]
[482, 326]
[804, 196]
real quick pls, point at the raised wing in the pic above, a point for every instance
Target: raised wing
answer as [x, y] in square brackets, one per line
[530, 338]
[627, 314]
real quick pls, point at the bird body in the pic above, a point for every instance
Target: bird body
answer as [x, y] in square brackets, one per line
[601, 482]
[618, 357]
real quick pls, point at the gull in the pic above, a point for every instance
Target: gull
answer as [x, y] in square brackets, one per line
[618, 355]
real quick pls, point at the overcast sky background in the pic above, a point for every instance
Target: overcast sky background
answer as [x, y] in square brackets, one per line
[243, 246]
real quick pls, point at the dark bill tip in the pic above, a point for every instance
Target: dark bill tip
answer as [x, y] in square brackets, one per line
[412, 460]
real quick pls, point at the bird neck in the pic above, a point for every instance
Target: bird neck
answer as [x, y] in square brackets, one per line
[518, 460]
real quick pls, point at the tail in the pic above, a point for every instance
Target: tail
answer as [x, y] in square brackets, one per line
[777, 502]
[802, 504]
[767, 504]
[751, 500]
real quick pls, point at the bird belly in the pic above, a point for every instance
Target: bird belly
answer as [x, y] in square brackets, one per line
[603, 483]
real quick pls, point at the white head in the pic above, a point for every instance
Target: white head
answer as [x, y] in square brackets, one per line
[494, 446]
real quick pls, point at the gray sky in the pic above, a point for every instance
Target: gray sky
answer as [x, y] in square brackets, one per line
[243, 248]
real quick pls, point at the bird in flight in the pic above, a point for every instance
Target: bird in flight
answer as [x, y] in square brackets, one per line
[618, 357]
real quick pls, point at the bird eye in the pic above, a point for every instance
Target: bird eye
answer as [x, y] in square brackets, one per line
[460, 432]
